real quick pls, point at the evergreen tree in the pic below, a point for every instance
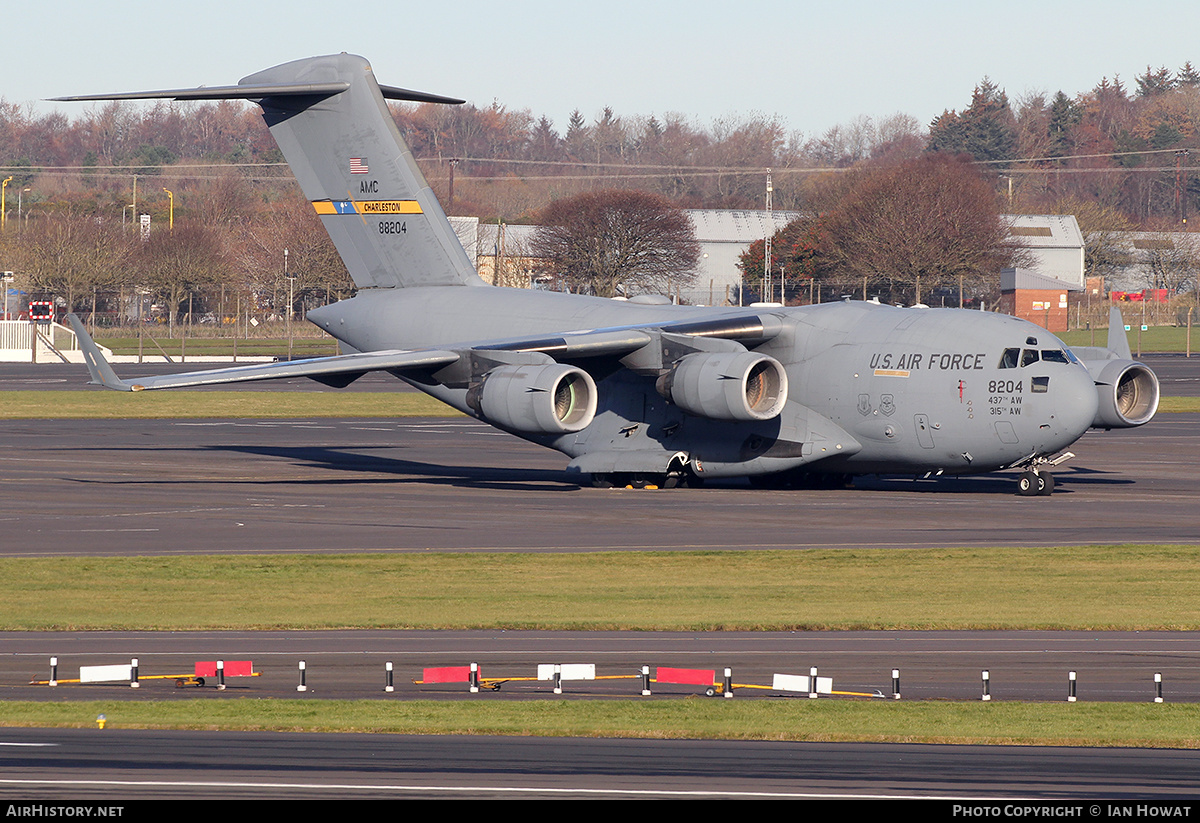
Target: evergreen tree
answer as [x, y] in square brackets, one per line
[1153, 83]
[576, 139]
[1188, 76]
[986, 130]
[1064, 116]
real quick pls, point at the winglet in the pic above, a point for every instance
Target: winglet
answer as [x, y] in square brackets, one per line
[101, 372]
[1118, 341]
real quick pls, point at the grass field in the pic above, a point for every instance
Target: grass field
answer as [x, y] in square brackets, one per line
[99, 404]
[212, 346]
[1088, 587]
[975, 722]
[1156, 339]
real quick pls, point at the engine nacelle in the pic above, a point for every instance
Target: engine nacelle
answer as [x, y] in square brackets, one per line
[538, 399]
[727, 385]
[1128, 393]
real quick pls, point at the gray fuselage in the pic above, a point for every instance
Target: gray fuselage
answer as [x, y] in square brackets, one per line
[873, 388]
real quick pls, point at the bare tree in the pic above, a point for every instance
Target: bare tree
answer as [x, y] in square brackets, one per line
[612, 242]
[1175, 263]
[312, 260]
[922, 223]
[71, 255]
[177, 262]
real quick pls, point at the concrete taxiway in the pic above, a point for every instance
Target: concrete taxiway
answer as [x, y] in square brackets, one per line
[161, 487]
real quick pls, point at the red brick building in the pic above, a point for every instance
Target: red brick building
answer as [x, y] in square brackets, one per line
[1040, 292]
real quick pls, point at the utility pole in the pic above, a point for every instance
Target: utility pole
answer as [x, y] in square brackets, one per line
[766, 293]
[454, 161]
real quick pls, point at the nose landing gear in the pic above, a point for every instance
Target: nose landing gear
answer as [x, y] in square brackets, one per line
[1032, 483]
[1036, 479]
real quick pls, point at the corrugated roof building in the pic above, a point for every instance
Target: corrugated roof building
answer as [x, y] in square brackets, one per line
[1040, 292]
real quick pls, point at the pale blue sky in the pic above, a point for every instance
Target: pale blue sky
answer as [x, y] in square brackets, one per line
[815, 65]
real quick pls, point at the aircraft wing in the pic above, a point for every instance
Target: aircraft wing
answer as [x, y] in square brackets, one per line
[317, 367]
[739, 327]
[746, 328]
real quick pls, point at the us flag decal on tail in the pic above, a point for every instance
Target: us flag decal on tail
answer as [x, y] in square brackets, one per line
[358, 165]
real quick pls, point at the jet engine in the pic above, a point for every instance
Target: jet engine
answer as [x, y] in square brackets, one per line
[1128, 393]
[536, 399]
[726, 385]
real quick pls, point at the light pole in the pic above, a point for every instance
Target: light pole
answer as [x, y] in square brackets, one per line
[7, 287]
[171, 219]
[291, 300]
[3, 200]
[20, 194]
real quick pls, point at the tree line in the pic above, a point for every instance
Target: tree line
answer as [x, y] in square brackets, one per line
[1118, 157]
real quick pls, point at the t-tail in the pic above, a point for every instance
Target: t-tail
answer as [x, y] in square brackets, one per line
[331, 120]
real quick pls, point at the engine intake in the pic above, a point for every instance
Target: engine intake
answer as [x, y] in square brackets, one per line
[537, 399]
[1128, 393]
[727, 385]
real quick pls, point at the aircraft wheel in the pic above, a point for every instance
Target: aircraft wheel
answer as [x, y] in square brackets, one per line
[602, 481]
[1048, 483]
[1031, 483]
[640, 481]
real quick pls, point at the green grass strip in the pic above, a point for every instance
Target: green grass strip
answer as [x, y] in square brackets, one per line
[1001, 723]
[220, 346]
[1071, 588]
[112, 405]
[1178, 405]
[1155, 339]
[109, 405]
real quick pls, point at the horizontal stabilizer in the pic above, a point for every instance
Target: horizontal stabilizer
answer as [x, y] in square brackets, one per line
[259, 92]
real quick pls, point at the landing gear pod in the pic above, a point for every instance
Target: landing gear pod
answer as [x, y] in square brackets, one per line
[727, 386]
[541, 399]
[1128, 394]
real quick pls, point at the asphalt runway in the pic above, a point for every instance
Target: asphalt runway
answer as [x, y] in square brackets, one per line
[162, 487]
[115, 766]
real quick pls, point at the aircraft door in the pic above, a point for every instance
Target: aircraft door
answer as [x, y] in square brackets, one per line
[924, 431]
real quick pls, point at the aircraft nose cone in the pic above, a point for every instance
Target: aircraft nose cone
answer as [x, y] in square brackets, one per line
[1075, 402]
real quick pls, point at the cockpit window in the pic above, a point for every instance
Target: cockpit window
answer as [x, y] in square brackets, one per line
[1054, 356]
[1028, 357]
[1008, 360]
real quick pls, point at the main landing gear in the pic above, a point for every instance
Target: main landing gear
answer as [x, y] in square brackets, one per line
[646, 480]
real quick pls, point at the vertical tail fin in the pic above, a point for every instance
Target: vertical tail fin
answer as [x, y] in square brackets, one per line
[1118, 340]
[329, 118]
[354, 166]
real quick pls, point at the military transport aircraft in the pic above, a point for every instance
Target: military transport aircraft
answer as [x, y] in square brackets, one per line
[640, 393]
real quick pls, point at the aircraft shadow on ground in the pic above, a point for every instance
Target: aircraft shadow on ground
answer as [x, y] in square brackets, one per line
[346, 459]
[407, 471]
